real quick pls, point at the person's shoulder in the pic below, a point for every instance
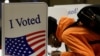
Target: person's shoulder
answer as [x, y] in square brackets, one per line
[76, 30]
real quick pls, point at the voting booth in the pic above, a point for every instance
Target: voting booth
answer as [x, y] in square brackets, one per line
[57, 12]
[24, 29]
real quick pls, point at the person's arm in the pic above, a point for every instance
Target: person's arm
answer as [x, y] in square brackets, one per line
[78, 45]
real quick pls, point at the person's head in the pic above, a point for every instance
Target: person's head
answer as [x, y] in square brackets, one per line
[52, 26]
[90, 17]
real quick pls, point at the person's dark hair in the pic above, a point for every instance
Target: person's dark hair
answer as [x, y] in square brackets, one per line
[52, 25]
[90, 17]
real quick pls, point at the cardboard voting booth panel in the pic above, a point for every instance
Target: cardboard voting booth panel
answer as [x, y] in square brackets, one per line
[24, 29]
[57, 12]
[72, 9]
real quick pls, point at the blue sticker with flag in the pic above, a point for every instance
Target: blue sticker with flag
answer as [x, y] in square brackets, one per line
[26, 45]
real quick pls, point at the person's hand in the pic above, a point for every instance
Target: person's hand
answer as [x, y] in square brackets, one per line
[55, 53]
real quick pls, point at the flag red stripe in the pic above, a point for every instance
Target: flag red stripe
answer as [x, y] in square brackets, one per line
[35, 37]
[39, 41]
[41, 53]
[35, 33]
[40, 46]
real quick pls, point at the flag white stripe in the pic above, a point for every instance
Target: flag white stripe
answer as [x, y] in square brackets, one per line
[40, 50]
[37, 52]
[32, 36]
[30, 42]
[45, 53]
[38, 44]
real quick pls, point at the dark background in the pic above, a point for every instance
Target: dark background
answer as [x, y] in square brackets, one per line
[60, 2]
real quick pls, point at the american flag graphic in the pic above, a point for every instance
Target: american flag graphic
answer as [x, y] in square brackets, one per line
[32, 44]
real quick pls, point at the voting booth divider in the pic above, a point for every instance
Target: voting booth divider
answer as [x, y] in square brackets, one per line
[57, 12]
[70, 10]
[24, 29]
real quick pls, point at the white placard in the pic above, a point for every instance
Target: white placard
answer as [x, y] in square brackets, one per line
[72, 9]
[24, 29]
[56, 12]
